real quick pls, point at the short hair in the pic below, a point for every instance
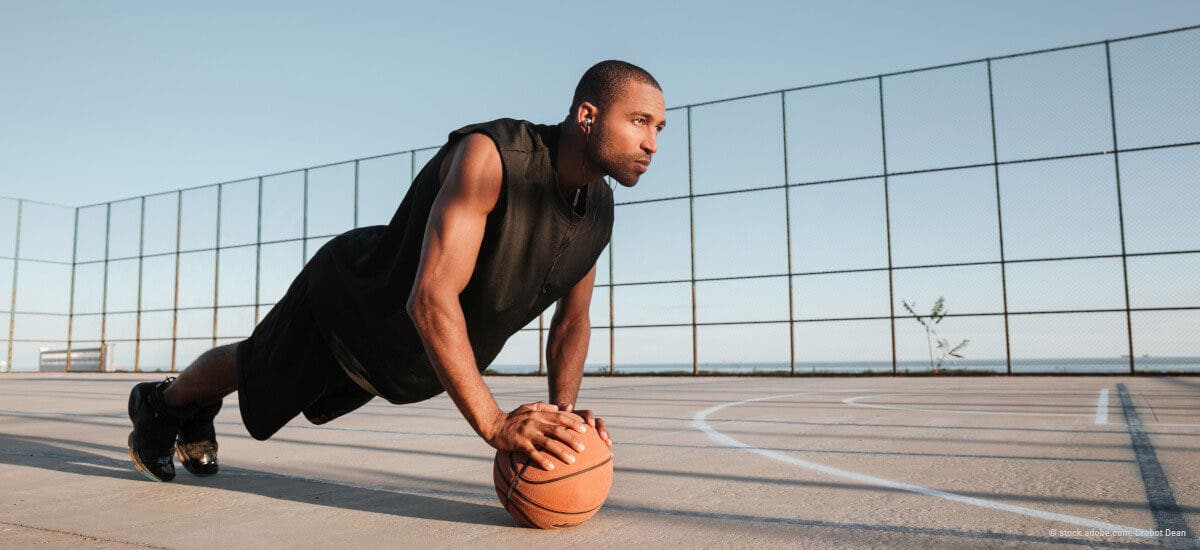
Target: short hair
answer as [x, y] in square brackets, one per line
[601, 83]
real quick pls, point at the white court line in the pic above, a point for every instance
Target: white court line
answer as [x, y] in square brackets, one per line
[853, 401]
[1102, 407]
[699, 421]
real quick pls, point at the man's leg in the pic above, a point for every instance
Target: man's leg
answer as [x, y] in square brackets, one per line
[206, 381]
[176, 416]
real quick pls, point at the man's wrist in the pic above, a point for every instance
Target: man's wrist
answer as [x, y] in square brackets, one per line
[488, 429]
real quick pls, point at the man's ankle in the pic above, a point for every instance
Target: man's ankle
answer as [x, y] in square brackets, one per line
[175, 402]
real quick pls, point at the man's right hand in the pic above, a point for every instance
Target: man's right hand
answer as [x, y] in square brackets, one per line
[539, 430]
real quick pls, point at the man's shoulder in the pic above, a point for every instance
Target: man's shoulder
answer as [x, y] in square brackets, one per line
[509, 134]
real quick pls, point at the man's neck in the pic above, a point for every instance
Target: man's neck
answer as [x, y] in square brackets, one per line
[570, 165]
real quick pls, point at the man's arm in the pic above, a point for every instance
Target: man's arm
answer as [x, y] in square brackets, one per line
[470, 190]
[567, 347]
[566, 350]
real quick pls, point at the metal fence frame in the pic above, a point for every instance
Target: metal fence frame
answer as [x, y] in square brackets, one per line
[1115, 152]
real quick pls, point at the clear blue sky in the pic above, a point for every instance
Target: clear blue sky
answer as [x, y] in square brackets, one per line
[105, 100]
[108, 101]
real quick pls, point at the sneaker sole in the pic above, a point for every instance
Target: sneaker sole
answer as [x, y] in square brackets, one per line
[183, 459]
[138, 463]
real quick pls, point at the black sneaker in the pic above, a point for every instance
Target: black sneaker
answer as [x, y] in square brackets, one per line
[154, 431]
[196, 446]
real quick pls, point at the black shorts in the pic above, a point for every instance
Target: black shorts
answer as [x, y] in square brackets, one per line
[286, 368]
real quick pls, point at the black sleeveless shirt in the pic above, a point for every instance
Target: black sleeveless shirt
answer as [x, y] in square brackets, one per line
[535, 248]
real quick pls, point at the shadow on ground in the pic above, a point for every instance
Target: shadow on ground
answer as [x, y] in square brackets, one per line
[69, 457]
[75, 457]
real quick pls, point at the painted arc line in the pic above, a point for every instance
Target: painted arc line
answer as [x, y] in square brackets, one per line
[699, 421]
[1102, 407]
[853, 401]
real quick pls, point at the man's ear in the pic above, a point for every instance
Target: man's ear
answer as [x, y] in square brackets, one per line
[585, 116]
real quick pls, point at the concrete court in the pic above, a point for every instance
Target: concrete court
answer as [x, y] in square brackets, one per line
[700, 462]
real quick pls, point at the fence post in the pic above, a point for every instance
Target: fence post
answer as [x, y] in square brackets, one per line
[612, 329]
[304, 225]
[692, 244]
[787, 220]
[175, 307]
[71, 292]
[999, 222]
[217, 267]
[12, 310]
[137, 336]
[103, 291]
[541, 353]
[355, 193]
[1112, 112]
[887, 220]
[258, 255]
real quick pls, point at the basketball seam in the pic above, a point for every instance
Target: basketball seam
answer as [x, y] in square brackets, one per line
[513, 464]
[508, 501]
[512, 506]
[527, 499]
[512, 484]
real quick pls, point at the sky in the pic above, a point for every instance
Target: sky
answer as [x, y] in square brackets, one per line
[101, 102]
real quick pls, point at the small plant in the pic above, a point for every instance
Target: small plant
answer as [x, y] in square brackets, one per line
[931, 335]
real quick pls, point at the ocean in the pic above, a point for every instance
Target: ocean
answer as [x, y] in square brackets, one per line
[1070, 365]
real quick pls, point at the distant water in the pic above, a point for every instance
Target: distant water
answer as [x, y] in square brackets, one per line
[1080, 365]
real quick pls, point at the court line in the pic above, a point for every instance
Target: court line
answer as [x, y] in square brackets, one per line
[853, 401]
[1102, 407]
[1163, 505]
[699, 421]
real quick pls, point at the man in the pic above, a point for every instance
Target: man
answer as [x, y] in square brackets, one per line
[508, 218]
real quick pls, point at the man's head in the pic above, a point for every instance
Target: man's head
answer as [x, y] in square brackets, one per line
[619, 109]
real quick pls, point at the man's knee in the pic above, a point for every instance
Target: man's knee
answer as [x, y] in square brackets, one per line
[224, 354]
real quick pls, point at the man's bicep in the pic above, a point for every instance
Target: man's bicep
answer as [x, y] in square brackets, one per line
[458, 217]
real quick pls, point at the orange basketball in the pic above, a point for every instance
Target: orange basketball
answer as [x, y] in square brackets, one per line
[563, 497]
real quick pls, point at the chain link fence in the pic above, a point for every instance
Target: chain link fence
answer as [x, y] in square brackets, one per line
[1029, 213]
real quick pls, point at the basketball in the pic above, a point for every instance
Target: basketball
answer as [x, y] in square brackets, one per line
[563, 497]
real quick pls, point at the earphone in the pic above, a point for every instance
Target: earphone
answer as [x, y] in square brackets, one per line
[587, 124]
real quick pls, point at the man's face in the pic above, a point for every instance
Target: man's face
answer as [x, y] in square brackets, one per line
[625, 134]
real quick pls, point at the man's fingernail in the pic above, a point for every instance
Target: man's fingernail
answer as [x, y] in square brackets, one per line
[549, 466]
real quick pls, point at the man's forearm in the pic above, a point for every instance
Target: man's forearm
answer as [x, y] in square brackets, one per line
[566, 352]
[443, 331]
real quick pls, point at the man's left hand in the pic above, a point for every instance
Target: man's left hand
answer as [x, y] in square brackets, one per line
[592, 420]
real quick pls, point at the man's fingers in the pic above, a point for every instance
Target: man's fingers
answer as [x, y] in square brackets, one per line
[557, 448]
[564, 435]
[603, 431]
[572, 420]
[543, 407]
[542, 460]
